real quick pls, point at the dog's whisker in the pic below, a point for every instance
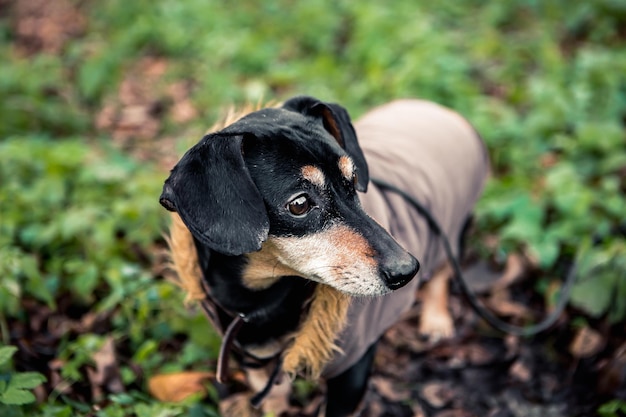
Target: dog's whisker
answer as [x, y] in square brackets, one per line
[328, 268]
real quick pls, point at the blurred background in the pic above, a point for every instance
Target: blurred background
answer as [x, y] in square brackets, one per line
[98, 99]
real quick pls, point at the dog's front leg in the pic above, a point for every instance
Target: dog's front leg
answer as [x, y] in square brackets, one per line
[345, 392]
[436, 321]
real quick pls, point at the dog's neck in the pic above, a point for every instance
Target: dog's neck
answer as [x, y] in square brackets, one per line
[273, 312]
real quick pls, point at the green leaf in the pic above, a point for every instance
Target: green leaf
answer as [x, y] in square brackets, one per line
[546, 250]
[27, 380]
[17, 396]
[612, 408]
[6, 353]
[145, 351]
[92, 76]
[618, 313]
[51, 410]
[526, 223]
[594, 293]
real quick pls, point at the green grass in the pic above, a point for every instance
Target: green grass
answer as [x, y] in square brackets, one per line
[542, 81]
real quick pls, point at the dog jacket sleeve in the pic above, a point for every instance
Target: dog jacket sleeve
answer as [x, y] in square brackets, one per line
[436, 156]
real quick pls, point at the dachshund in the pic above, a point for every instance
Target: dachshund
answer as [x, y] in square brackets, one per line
[302, 262]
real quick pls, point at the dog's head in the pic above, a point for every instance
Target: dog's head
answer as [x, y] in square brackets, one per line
[279, 187]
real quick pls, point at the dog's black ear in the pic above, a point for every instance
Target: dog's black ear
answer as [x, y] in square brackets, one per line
[212, 191]
[337, 122]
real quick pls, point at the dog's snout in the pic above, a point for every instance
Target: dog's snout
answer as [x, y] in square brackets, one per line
[399, 272]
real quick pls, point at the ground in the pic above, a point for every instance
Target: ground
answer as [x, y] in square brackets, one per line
[570, 370]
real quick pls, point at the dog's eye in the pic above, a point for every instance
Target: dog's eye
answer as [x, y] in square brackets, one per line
[300, 205]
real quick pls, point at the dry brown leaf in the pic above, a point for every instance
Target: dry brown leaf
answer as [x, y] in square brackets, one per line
[107, 368]
[586, 343]
[375, 409]
[437, 394]
[455, 413]
[395, 363]
[500, 302]
[613, 372]
[403, 335]
[135, 113]
[386, 388]
[520, 371]
[59, 384]
[182, 110]
[478, 354]
[178, 386]
[512, 344]
[107, 372]
[509, 308]
[514, 268]
[418, 411]
[46, 26]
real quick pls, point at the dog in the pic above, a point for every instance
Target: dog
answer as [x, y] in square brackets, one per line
[303, 262]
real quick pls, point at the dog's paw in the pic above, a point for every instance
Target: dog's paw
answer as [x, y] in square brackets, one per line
[436, 326]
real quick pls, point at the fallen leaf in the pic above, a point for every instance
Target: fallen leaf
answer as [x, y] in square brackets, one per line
[512, 344]
[178, 386]
[586, 343]
[478, 354]
[408, 338]
[60, 385]
[455, 413]
[437, 394]
[613, 373]
[375, 409]
[395, 362]
[520, 371]
[514, 269]
[182, 110]
[107, 366]
[500, 302]
[386, 388]
[418, 411]
[46, 26]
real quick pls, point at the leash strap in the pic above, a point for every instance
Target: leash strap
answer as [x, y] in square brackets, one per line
[486, 314]
[227, 344]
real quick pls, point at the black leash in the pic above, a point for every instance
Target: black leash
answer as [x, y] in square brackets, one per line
[492, 319]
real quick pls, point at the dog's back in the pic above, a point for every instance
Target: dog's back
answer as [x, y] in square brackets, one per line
[437, 157]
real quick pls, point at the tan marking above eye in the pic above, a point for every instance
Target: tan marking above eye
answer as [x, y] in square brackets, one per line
[346, 166]
[314, 175]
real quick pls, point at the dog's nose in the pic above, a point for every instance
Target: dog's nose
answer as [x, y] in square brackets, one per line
[398, 273]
